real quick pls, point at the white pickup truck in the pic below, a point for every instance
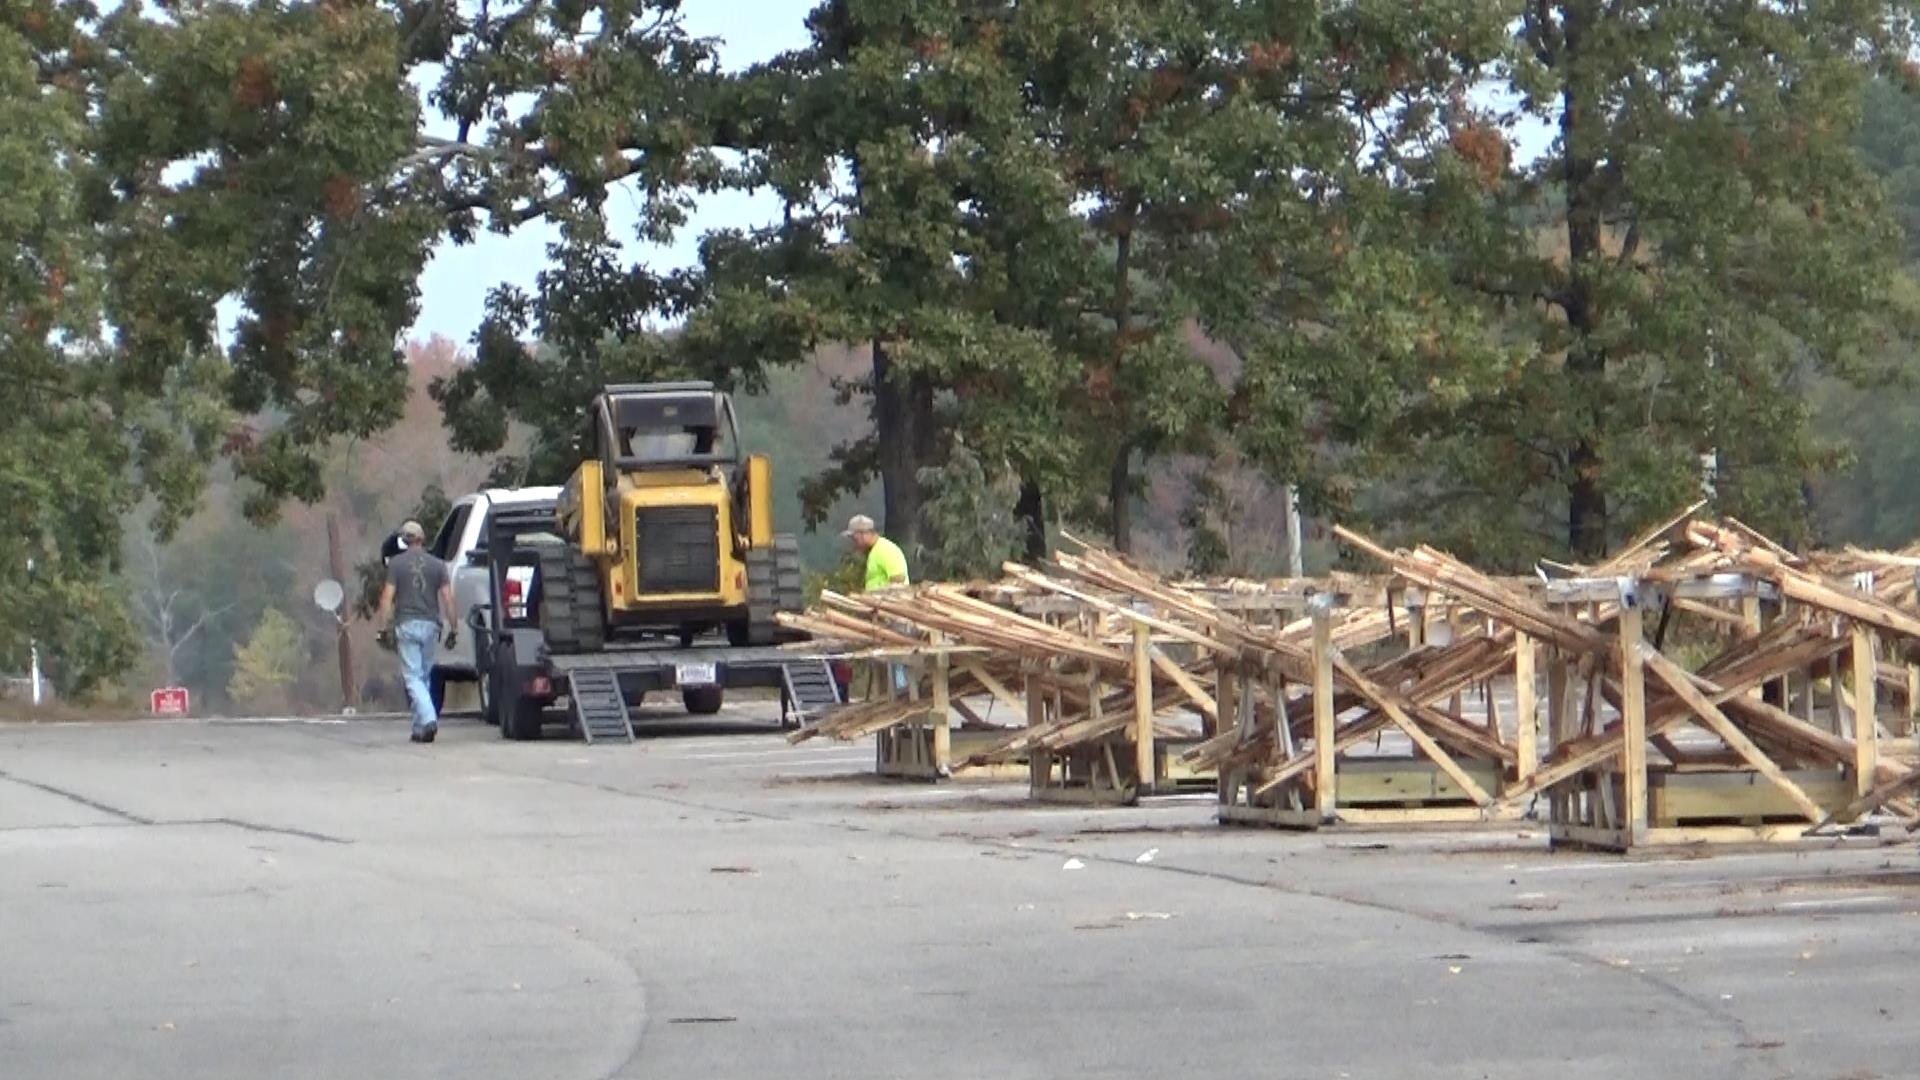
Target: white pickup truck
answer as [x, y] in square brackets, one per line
[460, 536]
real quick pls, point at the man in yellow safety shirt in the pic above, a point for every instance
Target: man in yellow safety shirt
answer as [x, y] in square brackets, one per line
[886, 563]
[886, 566]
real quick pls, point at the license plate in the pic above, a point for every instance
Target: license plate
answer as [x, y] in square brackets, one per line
[694, 674]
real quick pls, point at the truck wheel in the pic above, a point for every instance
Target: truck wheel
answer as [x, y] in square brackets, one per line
[571, 613]
[774, 585]
[523, 722]
[703, 700]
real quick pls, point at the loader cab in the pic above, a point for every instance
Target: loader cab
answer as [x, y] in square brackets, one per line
[656, 428]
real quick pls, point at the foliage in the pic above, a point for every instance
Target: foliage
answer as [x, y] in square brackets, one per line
[1698, 238]
[267, 666]
[971, 512]
[1872, 500]
[848, 577]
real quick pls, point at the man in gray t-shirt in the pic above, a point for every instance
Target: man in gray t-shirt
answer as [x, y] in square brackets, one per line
[419, 590]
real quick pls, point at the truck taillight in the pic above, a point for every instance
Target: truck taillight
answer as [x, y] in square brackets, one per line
[516, 599]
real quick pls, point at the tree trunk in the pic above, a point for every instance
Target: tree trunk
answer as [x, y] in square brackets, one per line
[1587, 360]
[1120, 478]
[1120, 500]
[1030, 508]
[903, 427]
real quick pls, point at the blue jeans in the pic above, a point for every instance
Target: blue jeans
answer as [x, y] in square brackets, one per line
[415, 640]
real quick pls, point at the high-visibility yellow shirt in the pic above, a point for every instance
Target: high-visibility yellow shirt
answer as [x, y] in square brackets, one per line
[885, 561]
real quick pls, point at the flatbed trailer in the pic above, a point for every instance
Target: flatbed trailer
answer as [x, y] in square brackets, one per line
[525, 680]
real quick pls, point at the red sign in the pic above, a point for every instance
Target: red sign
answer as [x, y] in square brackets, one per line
[170, 701]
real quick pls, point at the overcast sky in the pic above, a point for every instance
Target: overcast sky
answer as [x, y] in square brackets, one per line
[453, 291]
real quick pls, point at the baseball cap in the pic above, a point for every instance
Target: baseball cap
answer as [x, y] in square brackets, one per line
[858, 524]
[412, 531]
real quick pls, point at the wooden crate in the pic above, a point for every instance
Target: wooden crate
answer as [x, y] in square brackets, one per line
[1738, 797]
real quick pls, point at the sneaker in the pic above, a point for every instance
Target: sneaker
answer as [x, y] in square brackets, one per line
[430, 733]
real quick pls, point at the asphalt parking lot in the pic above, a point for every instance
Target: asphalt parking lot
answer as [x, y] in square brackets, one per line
[323, 899]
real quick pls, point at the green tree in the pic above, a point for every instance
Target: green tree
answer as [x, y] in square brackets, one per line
[1870, 499]
[972, 511]
[75, 441]
[266, 668]
[1699, 237]
[898, 144]
[278, 157]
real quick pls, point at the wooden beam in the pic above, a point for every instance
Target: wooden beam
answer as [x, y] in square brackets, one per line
[1323, 751]
[1633, 722]
[1181, 678]
[1866, 714]
[1142, 708]
[1526, 708]
[1172, 629]
[942, 710]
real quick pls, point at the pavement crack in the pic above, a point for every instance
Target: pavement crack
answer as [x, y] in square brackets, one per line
[276, 830]
[79, 799]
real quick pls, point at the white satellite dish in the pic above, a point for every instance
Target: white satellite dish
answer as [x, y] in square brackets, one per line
[328, 595]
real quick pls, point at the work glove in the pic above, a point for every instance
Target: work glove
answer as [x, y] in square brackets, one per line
[453, 636]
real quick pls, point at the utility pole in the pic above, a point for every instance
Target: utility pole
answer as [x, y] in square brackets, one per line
[33, 656]
[1296, 566]
[349, 685]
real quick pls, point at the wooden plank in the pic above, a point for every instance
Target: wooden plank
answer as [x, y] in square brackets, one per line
[1423, 815]
[1808, 590]
[1526, 708]
[1742, 795]
[1142, 707]
[1866, 720]
[1039, 763]
[1323, 717]
[1227, 678]
[1404, 780]
[1196, 693]
[942, 711]
[1633, 722]
[1677, 680]
[1173, 629]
